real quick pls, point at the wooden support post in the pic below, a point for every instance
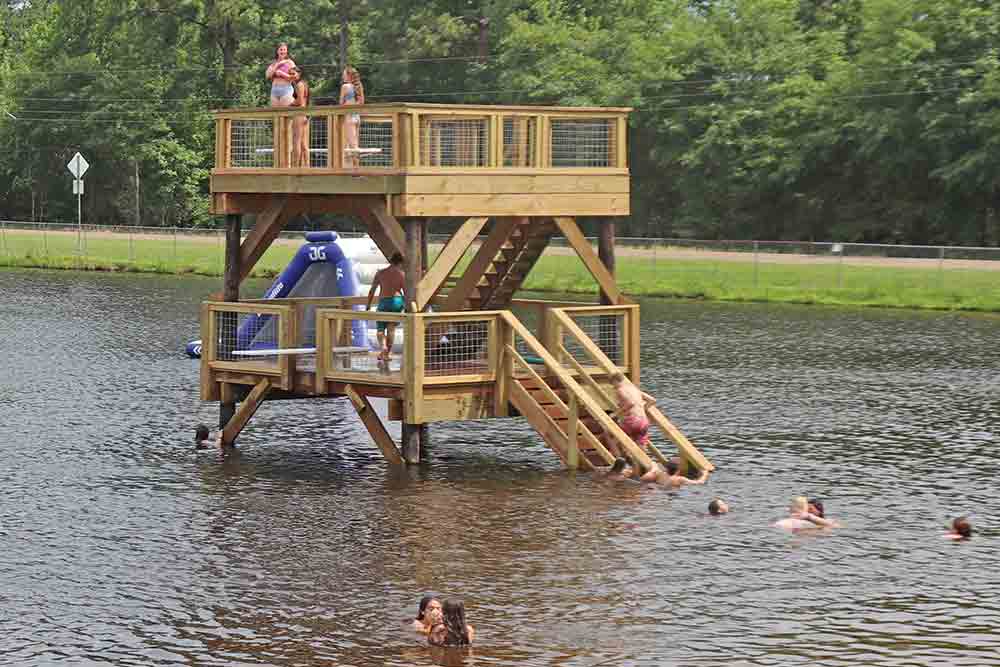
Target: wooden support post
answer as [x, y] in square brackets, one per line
[504, 340]
[230, 292]
[606, 251]
[247, 409]
[572, 431]
[424, 250]
[414, 345]
[608, 331]
[374, 425]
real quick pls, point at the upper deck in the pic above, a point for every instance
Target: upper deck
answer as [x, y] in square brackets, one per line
[429, 160]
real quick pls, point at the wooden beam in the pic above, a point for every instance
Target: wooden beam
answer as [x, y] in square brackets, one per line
[383, 228]
[448, 259]
[606, 250]
[265, 230]
[374, 425]
[246, 410]
[578, 242]
[460, 293]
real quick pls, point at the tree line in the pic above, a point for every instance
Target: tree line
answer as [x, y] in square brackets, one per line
[849, 120]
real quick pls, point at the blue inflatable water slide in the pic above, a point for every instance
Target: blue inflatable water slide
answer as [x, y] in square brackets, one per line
[325, 266]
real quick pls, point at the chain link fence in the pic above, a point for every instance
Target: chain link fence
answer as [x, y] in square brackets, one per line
[644, 265]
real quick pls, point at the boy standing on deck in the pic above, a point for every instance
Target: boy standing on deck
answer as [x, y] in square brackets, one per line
[389, 281]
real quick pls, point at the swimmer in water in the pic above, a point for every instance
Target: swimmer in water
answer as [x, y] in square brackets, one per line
[961, 529]
[671, 476]
[619, 471]
[428, 615]
[203, 438]
[718, 507]
[453, 630]
[800, 518]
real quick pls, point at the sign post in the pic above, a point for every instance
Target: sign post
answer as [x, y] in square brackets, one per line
[78, 166]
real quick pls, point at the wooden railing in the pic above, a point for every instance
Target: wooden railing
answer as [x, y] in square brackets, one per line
[410, 137]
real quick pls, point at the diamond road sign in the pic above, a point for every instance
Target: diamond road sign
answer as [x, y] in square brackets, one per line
[78, 166]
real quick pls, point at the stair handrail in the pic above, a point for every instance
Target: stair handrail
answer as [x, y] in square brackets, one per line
[687, 450]
[589, 404]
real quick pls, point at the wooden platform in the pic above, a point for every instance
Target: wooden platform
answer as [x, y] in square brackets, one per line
[430, 160]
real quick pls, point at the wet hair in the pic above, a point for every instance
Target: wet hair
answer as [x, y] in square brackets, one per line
[818, 504]
[714, 507]
[800, 504]
[454, 621]
[672, 467]
[281, 44]
[200, 433]
[617, 378]
[618, 465]
[396, 258]
[962, 526]
[424, 601]
[355, 77]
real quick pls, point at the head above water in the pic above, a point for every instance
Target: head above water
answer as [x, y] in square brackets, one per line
[718, 506]
[428, 601]
[962, 527]
[618, 466]
[396, 259]
[816, 507]
[800, 505]
[200, 433]
[673, 467]
[454, 620]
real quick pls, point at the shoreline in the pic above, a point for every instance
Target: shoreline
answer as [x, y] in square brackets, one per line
[556, 279]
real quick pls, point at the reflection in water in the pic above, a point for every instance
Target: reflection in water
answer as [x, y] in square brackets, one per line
[123, 545]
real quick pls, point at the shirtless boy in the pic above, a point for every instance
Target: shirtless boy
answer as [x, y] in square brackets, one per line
[389, 281]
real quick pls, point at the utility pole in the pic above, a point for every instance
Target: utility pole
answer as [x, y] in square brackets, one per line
[344, 15]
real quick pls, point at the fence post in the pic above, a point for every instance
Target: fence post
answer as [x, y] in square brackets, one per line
[755, 247]
[3, 236]
[941, 267]
[45, 239]
[175, 246]
[840, 266]
[131, 249]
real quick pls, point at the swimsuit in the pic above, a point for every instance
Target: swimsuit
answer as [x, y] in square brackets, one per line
[280, 90]
[281, 87]
[637, 428]
[350, 97]
[389, 304]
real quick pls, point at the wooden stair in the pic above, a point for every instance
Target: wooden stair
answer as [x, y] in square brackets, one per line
[511, 266]
[558, 416]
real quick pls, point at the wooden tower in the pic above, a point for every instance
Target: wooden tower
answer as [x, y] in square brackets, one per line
[514, 178]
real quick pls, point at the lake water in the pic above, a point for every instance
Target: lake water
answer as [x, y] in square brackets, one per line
[121, 545]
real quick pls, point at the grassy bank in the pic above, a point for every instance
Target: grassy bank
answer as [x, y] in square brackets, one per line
[734, 277]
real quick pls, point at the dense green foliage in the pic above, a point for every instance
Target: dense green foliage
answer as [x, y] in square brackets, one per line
[856, 120]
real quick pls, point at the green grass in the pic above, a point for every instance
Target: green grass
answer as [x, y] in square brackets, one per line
[821, 282]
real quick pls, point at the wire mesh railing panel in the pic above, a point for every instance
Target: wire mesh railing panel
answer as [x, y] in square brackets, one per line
[355, 349]
[251, 143]
[454, 142]
[250, 338]
[375, 141]
[319, 142]
[606, 331]
[519, 140]
[456, 348]
[582, 143]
